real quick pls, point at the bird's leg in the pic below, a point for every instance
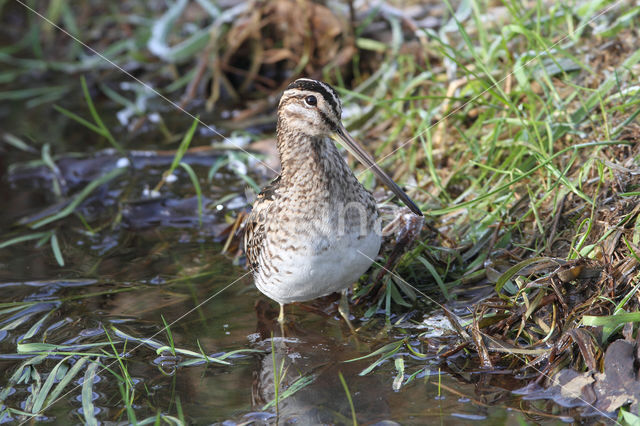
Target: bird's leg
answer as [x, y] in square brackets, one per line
[281, 316]
[343, 308]
[281, 320]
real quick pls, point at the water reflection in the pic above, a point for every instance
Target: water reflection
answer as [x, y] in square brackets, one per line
[309, 357]
[312, 353]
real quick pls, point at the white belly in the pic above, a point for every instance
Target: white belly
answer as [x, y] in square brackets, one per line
[304, 276]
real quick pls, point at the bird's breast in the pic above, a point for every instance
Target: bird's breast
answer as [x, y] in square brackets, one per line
[304, 268]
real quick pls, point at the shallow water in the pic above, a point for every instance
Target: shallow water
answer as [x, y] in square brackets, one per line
[315, 348]
[130, 262]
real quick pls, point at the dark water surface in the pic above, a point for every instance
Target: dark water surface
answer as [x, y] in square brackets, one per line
[130, 261]
[315, 348]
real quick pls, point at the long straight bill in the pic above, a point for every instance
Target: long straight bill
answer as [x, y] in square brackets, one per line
[363, 156]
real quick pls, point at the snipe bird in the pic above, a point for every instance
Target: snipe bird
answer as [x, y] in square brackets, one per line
[315, 229]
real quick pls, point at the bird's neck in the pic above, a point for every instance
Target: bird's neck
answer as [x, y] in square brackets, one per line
[321, 184]
[312, 162]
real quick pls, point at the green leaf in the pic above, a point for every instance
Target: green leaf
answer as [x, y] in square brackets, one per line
[397, 381]
[79, 119]
[217, 165]
[149, 342]
[611, 320]
[56, 249]
[96, 117]
[23, 317]
[87, 394]
[196, 185]
[193, 354]
[17, 142]
[504, 278]
[386, 348]
[395, 294]
[436, 276]
[184, 50]
[396, 347]
[184, 146]
[293, 388]
[35, 327]
[51, 348]
[252, 183]
[43, 393]
[370, 44]
[17, 375]
[70, 374]
[630, 419]
[23, 238]
[46, 158]
[79, 198]
[238, 351]
[346, 391]
[23, 94]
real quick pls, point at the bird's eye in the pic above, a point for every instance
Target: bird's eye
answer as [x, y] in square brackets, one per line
[311, 100]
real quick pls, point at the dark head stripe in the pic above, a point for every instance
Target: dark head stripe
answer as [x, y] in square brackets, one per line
[327, 121]
[327, 92]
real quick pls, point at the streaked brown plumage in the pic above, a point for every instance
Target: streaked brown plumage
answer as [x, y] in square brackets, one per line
[315, 229]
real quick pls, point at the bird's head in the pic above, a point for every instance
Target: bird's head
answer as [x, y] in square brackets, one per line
[310, 107]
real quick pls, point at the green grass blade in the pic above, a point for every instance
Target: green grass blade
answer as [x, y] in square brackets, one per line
[394, 346]
[87, 394]
[68, 377]
[96, 117]
[293, 388]
[196, 185]
[55, 246]
[397, 381]
[511, 272]
[252, 183]
[79, 119]
[23, 238]
[15, 377]
[530, 172]
[50, 348]
[149, 342]
[611, 320]
[179, 411]
[43, 392]
[18, 143]
[46, 158]
[23, 94]
[184, 146]
[436, 276]
[79, 198]
[35, 327]
[346, 391]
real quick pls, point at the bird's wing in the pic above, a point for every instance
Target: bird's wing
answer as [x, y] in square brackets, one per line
[254, 232]
[253, 240]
